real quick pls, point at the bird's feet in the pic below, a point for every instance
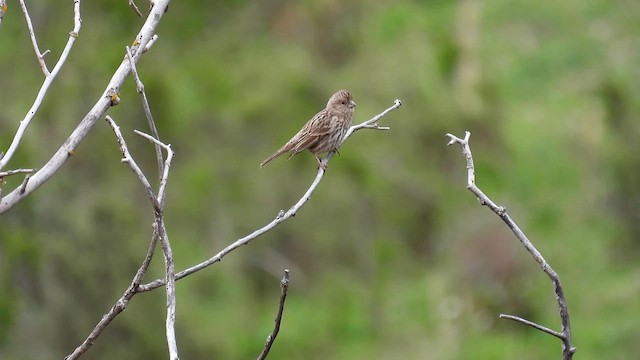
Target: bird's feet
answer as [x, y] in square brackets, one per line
[322, 163]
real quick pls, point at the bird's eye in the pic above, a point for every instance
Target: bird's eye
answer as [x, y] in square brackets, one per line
[343, 102]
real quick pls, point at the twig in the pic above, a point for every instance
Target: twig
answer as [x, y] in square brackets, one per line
[120, 305]
[565, 335]
[73, 35]
[284, 286]
[170, 271]
[145, 106]
[15, 171]
[141, 42]
[532, 324]
[39, 55]
[135, 7]
[281, 217]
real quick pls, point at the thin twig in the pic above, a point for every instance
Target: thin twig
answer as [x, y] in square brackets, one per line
[135, 7]
[121, 304]
[73, 35]
[32, 34]
[532, 324]
[565, 335]
[280, 217]
[146, 107]
[284, 286]
[15, 171]
[126, 158]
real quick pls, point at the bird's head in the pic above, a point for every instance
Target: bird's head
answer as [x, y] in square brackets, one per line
[341, 101]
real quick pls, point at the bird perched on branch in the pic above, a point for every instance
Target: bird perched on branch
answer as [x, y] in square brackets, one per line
[324, 132]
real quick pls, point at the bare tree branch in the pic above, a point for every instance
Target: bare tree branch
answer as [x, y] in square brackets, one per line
[73, 35]
[565, 335]
[120, 305]
[15, 171]
[135, 7]
[146, 107]
[284, 286]
[159, 232]
[532, 324]
[141, 44]
[282, 215]
[40, 56]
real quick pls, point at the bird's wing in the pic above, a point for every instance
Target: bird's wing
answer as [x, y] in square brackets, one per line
[316, 128]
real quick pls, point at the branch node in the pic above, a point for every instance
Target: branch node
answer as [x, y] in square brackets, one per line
[23, 187]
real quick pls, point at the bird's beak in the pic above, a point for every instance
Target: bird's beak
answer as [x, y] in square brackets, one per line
[352, 104]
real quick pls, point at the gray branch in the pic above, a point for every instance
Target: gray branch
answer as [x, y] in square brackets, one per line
[565, 335]
[284, 286]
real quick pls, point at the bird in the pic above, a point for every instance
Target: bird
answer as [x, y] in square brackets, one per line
[324, 132]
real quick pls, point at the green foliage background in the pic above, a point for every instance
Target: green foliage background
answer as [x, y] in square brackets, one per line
[392, 258]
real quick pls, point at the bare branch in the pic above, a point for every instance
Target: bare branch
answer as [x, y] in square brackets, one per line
[135, 7]
[281, 217]
[133, 165]
[284, 286]
[73, 35]
[164, 169]
[141, 44]
[372, 123]
[565, 335]
[159, 227]
[15, 171]
[145, 105]
[120, 305]
[533, 325]
[39, 55]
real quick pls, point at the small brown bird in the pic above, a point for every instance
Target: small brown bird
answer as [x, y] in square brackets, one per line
[324, 132]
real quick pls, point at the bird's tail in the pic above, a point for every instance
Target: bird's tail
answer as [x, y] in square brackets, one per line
[275, 155]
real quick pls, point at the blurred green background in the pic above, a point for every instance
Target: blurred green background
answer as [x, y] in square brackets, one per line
[392, 258]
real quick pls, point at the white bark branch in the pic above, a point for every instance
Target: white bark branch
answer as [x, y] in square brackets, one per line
[40, 56]
[565, 335]
[141, 44]
[147, 108]
[73, 35]
[15, 171]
